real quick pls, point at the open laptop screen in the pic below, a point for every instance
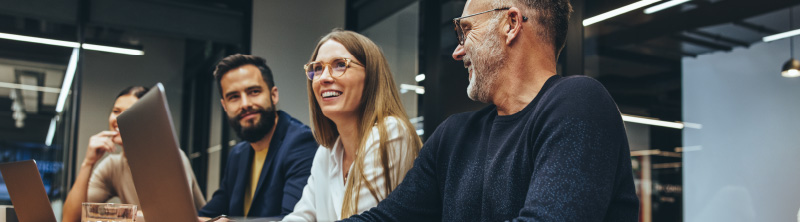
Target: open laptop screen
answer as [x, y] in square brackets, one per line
[27, 191]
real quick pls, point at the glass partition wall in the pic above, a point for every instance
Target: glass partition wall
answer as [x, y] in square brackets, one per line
[55, 93]
[38, 64]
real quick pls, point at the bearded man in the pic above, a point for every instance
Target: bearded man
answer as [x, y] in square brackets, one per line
[547, 148]
[265, 174]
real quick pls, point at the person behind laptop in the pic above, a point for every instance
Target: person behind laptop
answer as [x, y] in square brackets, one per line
[265, 174]
[368, 144]
[547, 148]
[111, 177]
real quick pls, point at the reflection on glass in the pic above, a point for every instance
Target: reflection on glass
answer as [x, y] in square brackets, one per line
[28, 97]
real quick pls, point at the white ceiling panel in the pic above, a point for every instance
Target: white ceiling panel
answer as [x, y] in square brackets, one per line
[6, 75]
[30, 97]
[52, 79]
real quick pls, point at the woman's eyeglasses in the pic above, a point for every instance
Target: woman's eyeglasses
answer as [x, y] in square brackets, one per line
[337, 68]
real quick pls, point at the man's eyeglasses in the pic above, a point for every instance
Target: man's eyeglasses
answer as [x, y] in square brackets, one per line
[460, 31]
[337, 68]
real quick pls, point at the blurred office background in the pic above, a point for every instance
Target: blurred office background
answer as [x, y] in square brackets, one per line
[711, 121]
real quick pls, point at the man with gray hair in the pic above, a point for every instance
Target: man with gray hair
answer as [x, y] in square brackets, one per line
[548, 148]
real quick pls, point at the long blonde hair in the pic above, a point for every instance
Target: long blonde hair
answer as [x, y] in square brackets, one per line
[379, 100]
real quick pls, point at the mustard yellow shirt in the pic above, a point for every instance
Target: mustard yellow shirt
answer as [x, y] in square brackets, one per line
[255, 174]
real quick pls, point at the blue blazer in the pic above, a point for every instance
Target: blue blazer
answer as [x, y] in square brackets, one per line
[283, 176]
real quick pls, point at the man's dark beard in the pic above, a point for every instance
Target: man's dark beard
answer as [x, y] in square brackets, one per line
[259, 130]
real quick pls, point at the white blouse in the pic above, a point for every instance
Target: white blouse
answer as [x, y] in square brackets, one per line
[323, 195]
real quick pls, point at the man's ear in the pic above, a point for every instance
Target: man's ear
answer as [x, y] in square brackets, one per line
[513, 26]
[274, 94]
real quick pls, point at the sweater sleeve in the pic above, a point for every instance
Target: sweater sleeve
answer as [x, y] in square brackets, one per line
[100, 186]
[581, 145]
[417, 198]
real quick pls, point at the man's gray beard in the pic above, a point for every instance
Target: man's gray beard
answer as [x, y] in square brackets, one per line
[486, 60]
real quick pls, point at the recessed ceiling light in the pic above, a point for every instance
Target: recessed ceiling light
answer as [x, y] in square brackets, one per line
[619, 11]
[664, 5]
[69, 44]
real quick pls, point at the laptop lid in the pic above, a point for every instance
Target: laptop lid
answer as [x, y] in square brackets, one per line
[153, 154]
[27, 191]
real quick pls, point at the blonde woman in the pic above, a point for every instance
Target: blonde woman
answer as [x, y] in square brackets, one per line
[367, 142]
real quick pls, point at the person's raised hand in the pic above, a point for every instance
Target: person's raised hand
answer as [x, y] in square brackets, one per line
[99, 144]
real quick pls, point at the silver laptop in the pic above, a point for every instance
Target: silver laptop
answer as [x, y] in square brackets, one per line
[27, 191]
[154, 157]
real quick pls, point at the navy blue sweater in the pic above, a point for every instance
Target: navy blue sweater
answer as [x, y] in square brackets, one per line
[564, 157]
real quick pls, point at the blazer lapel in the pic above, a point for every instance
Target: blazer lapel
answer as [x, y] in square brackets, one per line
[237, 196]
[269, 162]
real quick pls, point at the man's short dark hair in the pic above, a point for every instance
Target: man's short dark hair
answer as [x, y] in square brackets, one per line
[238, 60]
[553, 16]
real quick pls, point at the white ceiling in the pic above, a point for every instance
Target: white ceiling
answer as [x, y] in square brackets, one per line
[29, 73]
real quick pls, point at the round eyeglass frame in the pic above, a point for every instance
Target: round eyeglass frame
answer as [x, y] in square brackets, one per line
[460, 32]
[311, 75]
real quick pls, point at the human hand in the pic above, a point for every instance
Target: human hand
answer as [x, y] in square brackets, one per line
[99, 144]
[220, 218]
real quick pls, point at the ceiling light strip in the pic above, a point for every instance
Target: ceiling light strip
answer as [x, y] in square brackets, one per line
[117, 50]
[67, 84]
[664, 5]
[651, 121]
[69, 44]
[39, 40]
[619, 11]
[29, 87]
[51, 132]
[782, 35]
